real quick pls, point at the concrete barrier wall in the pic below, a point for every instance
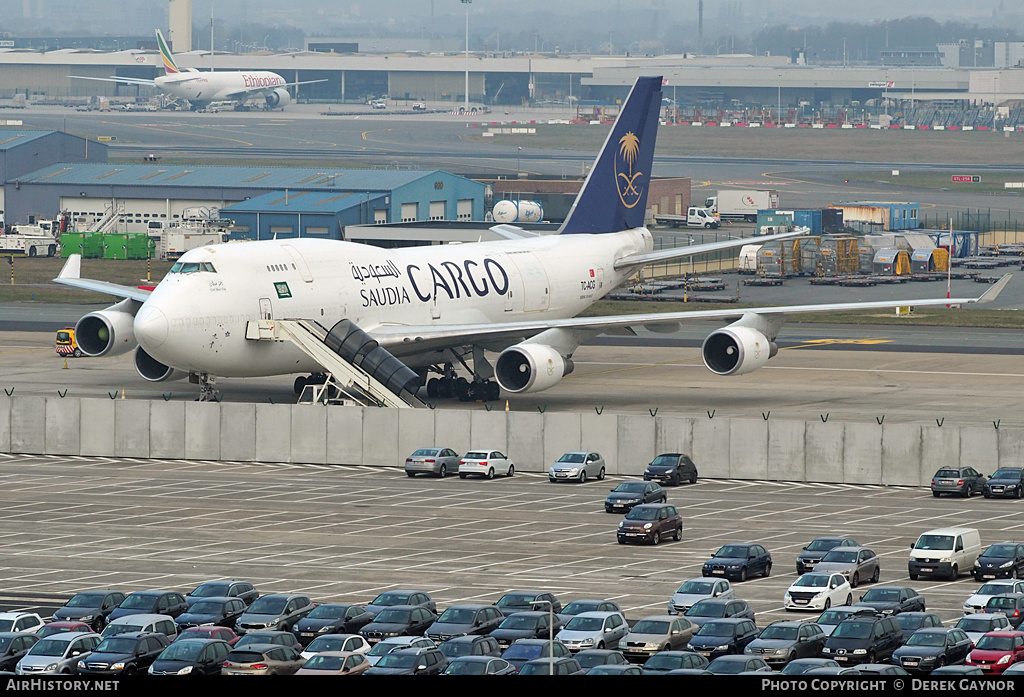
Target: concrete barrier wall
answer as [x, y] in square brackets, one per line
[832, 451]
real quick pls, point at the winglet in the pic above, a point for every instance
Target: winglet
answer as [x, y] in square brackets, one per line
[996, 288]
[72, 267]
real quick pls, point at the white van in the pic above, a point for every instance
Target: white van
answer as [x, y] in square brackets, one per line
[944, 552]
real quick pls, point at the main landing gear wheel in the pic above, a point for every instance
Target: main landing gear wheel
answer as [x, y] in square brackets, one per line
[463, 389]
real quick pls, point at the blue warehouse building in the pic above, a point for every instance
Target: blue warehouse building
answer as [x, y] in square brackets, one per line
[378, 198]
[45, 172]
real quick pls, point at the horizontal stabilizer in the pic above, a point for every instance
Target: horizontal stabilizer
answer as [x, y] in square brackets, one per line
[511, 232]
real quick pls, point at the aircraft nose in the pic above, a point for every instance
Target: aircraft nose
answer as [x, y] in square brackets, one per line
[151, 327]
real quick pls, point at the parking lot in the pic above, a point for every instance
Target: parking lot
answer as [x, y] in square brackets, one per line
[346, 533]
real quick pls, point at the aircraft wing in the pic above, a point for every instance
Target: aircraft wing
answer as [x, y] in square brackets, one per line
[246, 94]
[406, 340]
[71, 275]
[127, 80]
[694, 249]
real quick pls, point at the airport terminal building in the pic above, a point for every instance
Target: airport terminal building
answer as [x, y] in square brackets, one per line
[501, 78]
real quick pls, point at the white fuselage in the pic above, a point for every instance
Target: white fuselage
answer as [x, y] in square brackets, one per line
[196, 320]
[205, 87]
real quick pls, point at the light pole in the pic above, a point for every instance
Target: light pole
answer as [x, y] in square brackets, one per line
[551, 631]
[519, 151]
[467, 3]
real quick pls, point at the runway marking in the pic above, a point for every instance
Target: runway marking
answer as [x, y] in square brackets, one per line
[829, 342]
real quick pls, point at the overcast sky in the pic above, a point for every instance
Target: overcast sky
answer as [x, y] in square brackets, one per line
[557, 22]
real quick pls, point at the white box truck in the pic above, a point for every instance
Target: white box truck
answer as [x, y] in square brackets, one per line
[742, 204]
[696, 216]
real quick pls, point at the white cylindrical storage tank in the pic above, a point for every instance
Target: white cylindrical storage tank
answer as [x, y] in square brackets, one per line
[508, 211]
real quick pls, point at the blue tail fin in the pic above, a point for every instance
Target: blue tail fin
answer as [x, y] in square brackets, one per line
[614, 196]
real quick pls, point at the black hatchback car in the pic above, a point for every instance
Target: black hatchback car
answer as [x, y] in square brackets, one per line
[331, 618]
[672, 469]
[629, 494]
[13, 647]
[91, 607]
[810, 555]
[890, 600]
[124, 654]
[1006, 482]
[223, 589]
[1001, 560]
[157, 602]
[223, 612]
[191, 657]
[934, 647]
[863, 639]
[398, 620]
[725, 636]
[739, 562]
[959, 481]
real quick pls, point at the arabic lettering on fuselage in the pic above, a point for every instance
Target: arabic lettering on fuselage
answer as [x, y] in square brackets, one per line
[377, 271]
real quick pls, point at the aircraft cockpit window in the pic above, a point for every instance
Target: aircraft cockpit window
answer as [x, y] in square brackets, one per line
[192, 267]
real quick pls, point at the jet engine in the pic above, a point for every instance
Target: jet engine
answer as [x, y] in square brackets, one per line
[106, 333]
[152, 369]
[737, 350]
[278, 98]
[530, 368]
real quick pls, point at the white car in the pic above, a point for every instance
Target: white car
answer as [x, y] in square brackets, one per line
[818, 592]
[23, 622]
[336, 642]
[976, 603]
[594, 630]
[976, 625]
[486, 463]
[697, 589]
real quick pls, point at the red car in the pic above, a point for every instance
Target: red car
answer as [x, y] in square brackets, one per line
[997, 651]
[210, 632]
[62, 626]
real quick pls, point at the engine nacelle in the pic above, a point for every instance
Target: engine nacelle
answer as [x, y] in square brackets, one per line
[530, 368]
[278, 98]
[106, 333]
[737, 350]
[152, 369]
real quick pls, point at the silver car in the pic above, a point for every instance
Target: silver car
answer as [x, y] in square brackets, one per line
[57, 654]
[657, 633]
[439, 462]
[976, 625]
[697, 589]
[855, 563]
[577, 467]
[594, 630]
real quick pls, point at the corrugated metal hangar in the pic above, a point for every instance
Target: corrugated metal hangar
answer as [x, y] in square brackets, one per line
[41, 181]
[22, 151]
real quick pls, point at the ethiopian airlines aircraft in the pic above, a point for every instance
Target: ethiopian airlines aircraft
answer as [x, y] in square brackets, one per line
[440, 309]
[202, 88]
